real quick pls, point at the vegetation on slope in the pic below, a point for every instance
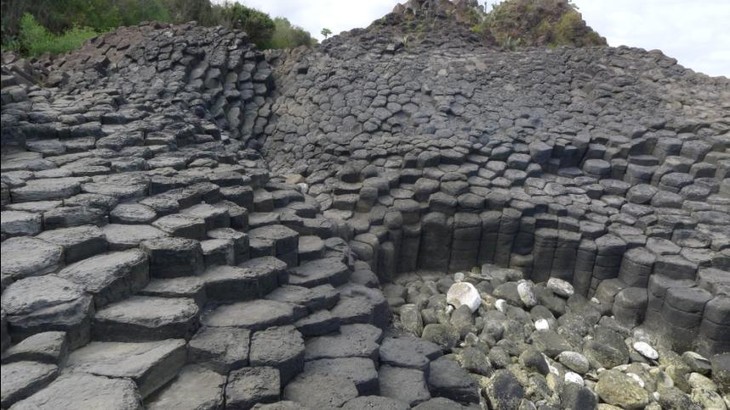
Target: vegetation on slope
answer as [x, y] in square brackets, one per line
[509, 24]
[57, 26]
[538, 23]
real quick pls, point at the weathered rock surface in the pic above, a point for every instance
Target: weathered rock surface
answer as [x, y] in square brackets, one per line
[293, 203]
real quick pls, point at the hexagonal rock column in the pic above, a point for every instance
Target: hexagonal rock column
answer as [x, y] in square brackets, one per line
[40, 304]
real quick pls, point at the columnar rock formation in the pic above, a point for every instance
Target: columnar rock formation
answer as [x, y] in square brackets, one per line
[189, 222]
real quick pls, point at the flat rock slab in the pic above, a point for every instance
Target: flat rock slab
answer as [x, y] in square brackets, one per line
[358, 370]
[39, 304]
[268, 268]
[406, 385]
[23, 257]
[150, 364]
[78, 242]
[143, 318]
[357, 340]
[320, 391]
[253, 315]
[75, 391]
[252, 385]
[110, 277]
[20, 223]
[281, 348]
[314, 299]
[121, 237]
[221, 349]
[376, 402]
[235, 284]
[409, 352]
[185, 287]
[319, 272]
[447, 379]
[47, 189]
[173, 257]
[22, 379]
[46, 347]
[194, 388]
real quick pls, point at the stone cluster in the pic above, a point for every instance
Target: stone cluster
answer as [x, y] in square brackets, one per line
[543, 345]
[188, 222]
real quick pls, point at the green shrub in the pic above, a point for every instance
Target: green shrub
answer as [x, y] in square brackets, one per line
[287, 35]
[36, 39]
[257, 24]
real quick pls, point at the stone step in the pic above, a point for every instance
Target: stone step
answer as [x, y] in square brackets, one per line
[110, 277]
[149, 364]
[144, 318]
[358, 370]
[356, 340]
[319, 272]
[310, 248]
[79, 242]
[172, 257]
[195, 387]
[221, 349]
[254, 315]
[236, 284]
[83, 390]
[278, 347]
[40, 304]
[192, 287]
[314, 299]
[275, 240]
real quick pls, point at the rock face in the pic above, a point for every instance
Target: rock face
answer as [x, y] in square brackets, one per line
[182, 212]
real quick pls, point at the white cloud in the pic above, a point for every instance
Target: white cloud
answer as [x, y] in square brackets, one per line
[693, 32]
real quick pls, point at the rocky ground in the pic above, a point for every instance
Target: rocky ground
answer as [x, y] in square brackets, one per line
[391, 223]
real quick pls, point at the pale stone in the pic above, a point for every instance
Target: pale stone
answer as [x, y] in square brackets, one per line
[464, 293]
[646, 350]
[542, 324]
[560, 287]
[527, 294]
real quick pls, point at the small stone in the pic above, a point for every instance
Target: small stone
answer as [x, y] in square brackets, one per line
[443, 335]
[560, 287]
[571, 377]
[574, 361]
[542, 324]
[464, 293]
[527, 294]
[646, 350]
[621, 390]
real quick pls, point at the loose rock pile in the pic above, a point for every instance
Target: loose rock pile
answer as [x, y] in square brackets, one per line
[188, 222]
[544, 346]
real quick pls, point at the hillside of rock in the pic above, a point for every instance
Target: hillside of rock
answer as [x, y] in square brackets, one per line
[390, 221]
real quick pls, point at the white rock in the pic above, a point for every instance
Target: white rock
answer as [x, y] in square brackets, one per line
[560, 287]
[501, 305]
[464, 293]
[637, 379]
[542, 324]
[572, 377]
[527, 293]
[303, 187]
[459, 277]
[646, 350]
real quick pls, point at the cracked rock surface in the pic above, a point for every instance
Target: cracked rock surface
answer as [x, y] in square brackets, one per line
[189, 222]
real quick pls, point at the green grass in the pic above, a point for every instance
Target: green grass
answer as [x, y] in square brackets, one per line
[34, 39]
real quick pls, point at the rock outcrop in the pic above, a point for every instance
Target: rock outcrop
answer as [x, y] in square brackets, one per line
[190, 222]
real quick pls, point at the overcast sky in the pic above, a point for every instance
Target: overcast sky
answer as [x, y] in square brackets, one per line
[693, 32]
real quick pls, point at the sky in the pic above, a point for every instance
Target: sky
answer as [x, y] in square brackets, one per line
[693, 32]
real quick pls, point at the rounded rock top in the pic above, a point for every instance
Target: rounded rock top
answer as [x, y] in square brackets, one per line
[464, 293]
